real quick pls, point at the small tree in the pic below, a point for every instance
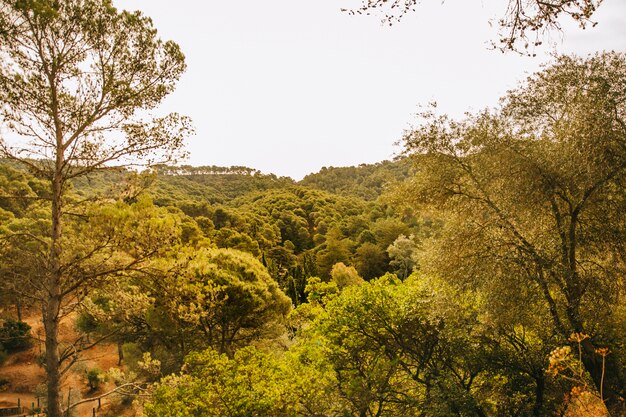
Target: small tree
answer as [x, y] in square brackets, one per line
[72, 72]
[14, 335]
[401, 253]
[344, 275]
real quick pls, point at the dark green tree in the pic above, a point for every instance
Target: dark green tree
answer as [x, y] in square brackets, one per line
[371, 261]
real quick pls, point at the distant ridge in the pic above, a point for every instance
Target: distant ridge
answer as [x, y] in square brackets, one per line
[216, 184]
[366, 181]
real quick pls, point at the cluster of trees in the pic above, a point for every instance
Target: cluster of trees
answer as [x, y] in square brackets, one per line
[188, 170]
[537, 187]
[296, 231]
[515, 304]
[489, 281]
[174, 279]
[367, 181]
[378, 348]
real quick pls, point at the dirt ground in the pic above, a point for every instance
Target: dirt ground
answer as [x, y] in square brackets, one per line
[26, 377]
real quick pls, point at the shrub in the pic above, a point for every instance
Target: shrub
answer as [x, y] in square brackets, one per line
[94, 378]
[4, 384]
[15, 335]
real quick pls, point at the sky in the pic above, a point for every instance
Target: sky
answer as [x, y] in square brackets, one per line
[291, 86]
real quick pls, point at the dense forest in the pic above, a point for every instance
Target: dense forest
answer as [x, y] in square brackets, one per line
[480, 273]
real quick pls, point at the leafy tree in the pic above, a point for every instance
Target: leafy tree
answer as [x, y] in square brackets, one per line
[19, 190]
[218, 298]
[116, 312]
[229, 238]
[387, 229]
[401, 252]
[21, 197]
[382, 348]
[533, 201]
[73, 71]
[523, 24]
[336, 249]
[370, 260]
[345, 276]
[403, 349]
[252, 383]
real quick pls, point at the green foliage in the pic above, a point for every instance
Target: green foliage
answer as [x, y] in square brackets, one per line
[212, 184]
[385, 347]
[229, 238]
[192, 189]
[94, 378]
[401, 252]
[18, 191]
[345, 276]
[15, 335]
[367, 182]
[391, 345]
[76, 79]
[290, 228]
[370, 261]
[249, 384]
[532, 200]
[226, 297]
[198, 298]
[448, 297]
[320, 292]
[336, 249]
[252, 383]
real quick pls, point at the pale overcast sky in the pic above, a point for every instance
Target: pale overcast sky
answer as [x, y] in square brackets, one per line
[290, 86]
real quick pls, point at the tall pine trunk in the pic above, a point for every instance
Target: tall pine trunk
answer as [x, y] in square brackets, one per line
[54, 298]
[51, 325]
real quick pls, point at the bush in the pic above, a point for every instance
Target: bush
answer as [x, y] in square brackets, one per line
[4, 384]
[15, 335]
[94, 378]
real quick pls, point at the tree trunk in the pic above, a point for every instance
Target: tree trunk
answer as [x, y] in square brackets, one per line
[51, 325]
[53, 299]
[120, 353]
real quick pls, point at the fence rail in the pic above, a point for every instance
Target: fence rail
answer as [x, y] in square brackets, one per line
[21, 411]
[12, 411]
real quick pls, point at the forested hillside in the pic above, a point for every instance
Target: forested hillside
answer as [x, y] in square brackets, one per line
[297, 231]
[481, 273]
[366, 181]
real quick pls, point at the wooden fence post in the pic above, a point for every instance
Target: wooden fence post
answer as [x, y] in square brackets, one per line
[69, 393]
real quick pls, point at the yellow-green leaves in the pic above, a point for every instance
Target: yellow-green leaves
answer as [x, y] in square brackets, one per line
[531, 197]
